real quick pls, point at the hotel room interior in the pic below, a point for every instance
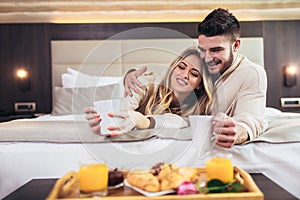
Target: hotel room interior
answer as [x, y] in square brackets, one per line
[63, 47]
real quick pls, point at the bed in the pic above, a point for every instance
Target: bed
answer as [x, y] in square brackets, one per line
[53, 144]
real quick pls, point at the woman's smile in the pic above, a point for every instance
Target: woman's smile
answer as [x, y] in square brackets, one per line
[182, 81]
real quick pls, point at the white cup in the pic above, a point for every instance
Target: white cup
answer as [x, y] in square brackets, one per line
[202, 134]
[104, 107]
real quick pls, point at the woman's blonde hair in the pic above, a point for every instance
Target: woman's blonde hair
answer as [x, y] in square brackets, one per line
[159, 100]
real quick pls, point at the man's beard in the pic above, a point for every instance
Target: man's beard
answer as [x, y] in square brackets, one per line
[227, 63]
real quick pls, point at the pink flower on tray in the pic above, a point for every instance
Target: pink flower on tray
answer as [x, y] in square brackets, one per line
[187, 188]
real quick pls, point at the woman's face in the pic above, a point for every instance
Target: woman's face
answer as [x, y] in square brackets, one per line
[186, 76]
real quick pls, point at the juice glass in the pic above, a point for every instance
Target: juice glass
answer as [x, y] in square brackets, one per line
[93, 179]
[219, 168]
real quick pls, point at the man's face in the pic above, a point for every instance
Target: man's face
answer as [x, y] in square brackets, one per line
[217, 52]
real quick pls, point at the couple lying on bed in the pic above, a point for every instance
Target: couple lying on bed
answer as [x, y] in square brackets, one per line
[236, 98]
[185, 90]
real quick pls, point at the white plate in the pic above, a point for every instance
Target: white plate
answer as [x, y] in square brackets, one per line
[116, 186]
[149, 194]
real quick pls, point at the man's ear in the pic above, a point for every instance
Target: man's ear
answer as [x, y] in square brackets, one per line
[236, 45]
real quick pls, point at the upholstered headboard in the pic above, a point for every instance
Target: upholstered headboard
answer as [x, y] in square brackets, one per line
[115, 57]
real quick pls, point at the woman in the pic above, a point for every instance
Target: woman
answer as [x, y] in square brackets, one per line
[185, 90]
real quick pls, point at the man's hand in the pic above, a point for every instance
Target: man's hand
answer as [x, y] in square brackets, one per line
[227, 131]
[131, 82]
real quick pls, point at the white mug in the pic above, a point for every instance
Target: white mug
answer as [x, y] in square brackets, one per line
[202, 134]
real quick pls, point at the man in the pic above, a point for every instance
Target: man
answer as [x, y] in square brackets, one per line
[239, 85]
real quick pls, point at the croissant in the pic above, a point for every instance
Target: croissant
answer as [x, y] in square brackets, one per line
[177, 176]
[169, 177]
[165, 170]
[143, 180]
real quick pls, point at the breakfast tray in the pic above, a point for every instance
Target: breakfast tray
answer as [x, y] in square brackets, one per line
[67, 188]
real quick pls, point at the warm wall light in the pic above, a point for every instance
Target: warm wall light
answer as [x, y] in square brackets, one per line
[22, 73]
[23, 79]
[290, 75]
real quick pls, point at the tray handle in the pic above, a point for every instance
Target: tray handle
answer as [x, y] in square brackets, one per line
[67, 186]
[246, 179]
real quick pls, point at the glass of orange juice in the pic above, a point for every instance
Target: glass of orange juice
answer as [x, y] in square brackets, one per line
[93, 179]
[219, 168]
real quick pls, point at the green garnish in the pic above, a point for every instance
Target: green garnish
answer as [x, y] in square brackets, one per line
[217, 186]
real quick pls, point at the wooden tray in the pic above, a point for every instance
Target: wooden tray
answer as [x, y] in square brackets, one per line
[67, 187]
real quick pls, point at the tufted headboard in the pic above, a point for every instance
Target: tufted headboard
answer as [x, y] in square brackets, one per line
[115, 57]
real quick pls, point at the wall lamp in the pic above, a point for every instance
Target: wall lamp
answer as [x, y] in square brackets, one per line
[23, 79]
[290, 75]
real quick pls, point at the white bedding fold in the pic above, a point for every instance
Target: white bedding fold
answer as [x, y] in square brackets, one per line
[281, 130]
[67, 131]
[75, 129]
[45, 131]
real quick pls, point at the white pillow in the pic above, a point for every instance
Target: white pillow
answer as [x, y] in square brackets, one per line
[272, 111]
[75, 79]
[72, 71]
[68, 101]
[78, 81]
[68, 80]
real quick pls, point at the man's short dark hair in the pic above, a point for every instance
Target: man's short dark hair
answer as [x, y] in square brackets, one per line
[220, 22]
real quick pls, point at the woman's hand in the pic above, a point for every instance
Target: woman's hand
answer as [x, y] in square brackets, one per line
[131, 82]
[227, 132]
[93, 119]
[130, 119]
